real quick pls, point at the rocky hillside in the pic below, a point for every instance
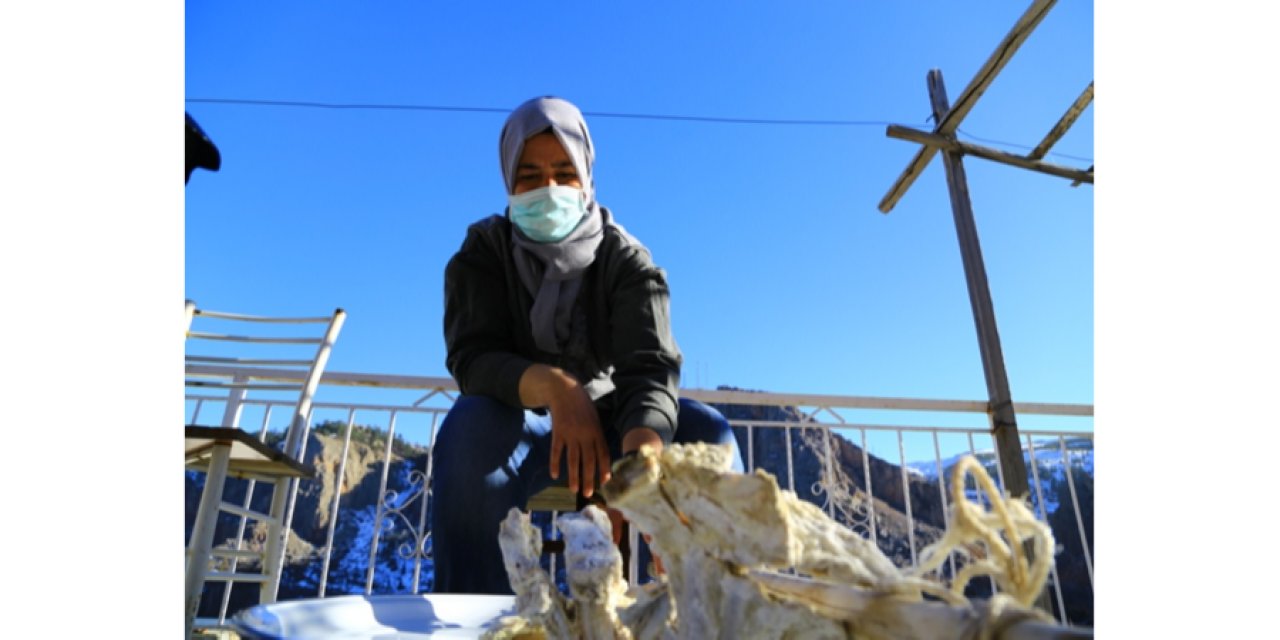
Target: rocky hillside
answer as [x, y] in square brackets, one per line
[769, 446]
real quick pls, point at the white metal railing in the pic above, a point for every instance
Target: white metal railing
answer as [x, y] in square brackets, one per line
[405, 507]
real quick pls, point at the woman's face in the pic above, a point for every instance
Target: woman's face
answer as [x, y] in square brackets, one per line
[545, 163]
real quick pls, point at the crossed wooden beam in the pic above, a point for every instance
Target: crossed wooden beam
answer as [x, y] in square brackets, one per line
[942, 139]
[943, 135]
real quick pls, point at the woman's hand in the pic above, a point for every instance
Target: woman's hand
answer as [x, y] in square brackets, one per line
[575, 426]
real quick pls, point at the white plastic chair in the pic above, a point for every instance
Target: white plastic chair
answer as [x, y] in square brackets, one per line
[254, 357]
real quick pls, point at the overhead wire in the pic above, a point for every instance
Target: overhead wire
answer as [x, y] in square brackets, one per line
[597, 114]
[1020, 146]
[594, 114]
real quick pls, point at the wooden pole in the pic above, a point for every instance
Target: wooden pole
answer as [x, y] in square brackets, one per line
[995, 155]
[1064, 123]
[1077, 182]
[1004, 426]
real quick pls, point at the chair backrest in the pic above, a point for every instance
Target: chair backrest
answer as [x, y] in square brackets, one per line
[230, 354]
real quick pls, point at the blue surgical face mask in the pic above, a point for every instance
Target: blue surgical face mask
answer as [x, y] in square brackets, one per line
[548, 214]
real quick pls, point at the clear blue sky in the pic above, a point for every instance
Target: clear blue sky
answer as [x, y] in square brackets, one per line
[785, 276]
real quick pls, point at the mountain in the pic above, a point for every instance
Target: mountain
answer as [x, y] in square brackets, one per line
[1048, 453]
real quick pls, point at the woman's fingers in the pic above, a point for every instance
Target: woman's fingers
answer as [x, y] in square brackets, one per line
[588, 469]
[557, 444]
[588, 460]
[576, 427]
[606, 466]
[574, 460]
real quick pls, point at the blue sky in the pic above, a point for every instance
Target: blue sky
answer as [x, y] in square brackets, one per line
[785, 276]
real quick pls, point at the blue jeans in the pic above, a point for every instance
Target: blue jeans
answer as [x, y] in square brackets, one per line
[490, 457]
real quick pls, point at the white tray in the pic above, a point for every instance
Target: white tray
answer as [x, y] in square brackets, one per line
[426, 615]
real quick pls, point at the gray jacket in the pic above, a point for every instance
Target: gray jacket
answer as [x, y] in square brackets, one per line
[621, 346]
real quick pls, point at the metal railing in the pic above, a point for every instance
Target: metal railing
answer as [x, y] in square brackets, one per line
[870, 430]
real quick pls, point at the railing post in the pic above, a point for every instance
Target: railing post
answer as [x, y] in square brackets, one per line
[202, 534]
[235, 401]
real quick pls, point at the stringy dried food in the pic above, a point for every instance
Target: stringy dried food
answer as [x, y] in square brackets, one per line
[746, 559]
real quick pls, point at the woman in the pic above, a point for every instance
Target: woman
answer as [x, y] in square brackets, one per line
[558, 334]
